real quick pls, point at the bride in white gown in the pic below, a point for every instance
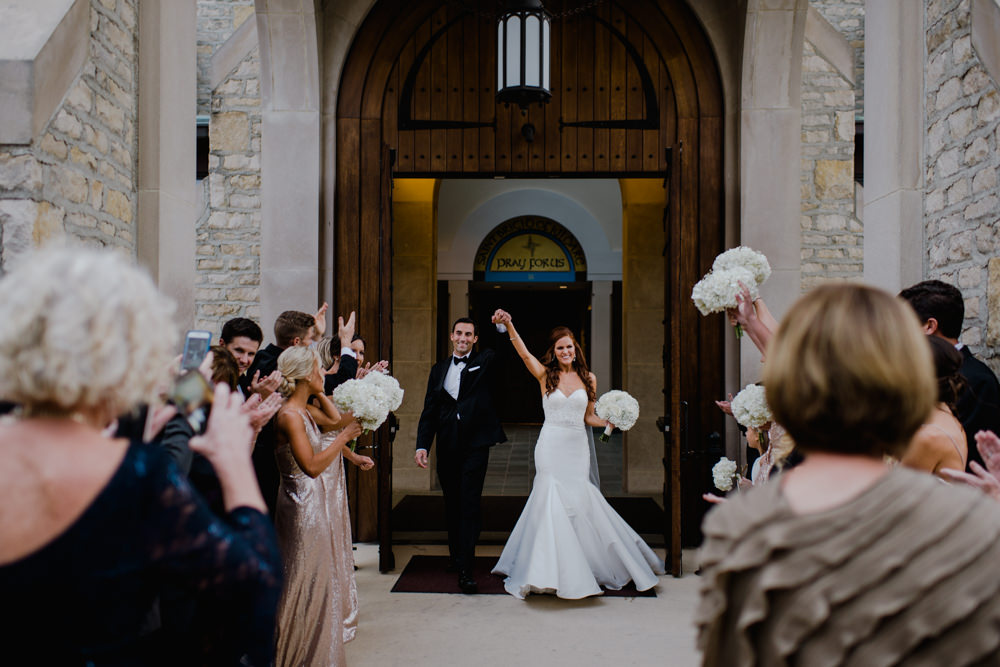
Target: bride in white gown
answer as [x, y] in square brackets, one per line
[568, 540]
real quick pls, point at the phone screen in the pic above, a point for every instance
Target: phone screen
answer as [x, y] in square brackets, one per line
[196, 346]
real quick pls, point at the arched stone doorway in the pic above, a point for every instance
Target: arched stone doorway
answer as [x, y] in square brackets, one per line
[637, 93]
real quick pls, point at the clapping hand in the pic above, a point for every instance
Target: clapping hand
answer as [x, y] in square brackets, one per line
[985, 479]
[380, 367]
[319, 320]
[260, 410]
[726, 406]
[228, 435]
[266, 386]
[345, 330]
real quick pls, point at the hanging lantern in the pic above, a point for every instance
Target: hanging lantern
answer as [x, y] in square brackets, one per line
[523, 41]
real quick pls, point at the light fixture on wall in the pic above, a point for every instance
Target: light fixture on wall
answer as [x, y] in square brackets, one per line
[523, 44]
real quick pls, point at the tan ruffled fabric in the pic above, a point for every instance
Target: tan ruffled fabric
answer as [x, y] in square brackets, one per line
[907, 572]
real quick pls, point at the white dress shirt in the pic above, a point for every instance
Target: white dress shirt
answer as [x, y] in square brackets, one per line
[453, 378]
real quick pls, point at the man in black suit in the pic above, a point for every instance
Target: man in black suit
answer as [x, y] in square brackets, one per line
[292, 327]
[458, 410]
[942, 310]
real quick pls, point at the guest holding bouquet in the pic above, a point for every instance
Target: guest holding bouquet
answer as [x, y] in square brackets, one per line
[310, 627]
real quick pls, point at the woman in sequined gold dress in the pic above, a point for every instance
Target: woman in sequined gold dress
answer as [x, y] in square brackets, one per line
[310, 628]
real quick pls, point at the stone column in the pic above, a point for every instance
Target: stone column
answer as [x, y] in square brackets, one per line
[770, 127]
[894, 121]
[290, 157]
[168, 196]
[600, 334]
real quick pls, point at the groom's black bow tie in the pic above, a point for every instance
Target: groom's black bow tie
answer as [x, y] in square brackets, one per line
[460, 360]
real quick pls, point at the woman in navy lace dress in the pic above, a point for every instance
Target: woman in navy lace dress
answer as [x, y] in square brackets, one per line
[91, 527]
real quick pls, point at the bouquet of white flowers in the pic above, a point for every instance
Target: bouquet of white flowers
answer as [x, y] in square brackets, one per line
[745, 258]
[619, 408]
[717, 291]
[750, 407]
[388, 385]
[369, 399]
[724, 474]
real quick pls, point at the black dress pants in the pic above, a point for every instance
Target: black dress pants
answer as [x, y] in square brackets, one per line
[462, 473]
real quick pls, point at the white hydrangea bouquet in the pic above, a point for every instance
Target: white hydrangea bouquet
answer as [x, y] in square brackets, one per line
[717, 291]
[751, 410]
[619, 408]
[369, 399]
[725, 474]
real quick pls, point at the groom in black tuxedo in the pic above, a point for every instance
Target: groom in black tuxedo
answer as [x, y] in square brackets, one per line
[458, 409]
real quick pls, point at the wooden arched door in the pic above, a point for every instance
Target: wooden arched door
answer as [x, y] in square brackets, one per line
[633, 82]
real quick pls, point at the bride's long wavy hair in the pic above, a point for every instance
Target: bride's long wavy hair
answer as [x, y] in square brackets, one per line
[551, 363]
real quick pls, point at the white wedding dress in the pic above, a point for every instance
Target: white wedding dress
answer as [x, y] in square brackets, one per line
[568, 540]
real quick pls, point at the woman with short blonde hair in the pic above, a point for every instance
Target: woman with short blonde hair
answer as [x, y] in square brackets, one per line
[844, 560]
[97, 526]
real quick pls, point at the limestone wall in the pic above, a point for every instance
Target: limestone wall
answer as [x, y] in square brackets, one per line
[217, 20]
[78, 176]
[848, 17]
[962, 148]
[832, 235]
[228, 233]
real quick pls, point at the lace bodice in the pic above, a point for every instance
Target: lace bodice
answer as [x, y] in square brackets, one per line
[564, 410]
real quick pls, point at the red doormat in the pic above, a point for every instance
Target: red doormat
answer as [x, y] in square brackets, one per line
[426, 574]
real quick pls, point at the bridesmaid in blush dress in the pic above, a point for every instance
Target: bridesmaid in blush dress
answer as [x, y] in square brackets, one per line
[308, 517]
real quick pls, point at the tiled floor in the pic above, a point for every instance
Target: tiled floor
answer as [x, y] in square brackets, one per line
[512, 464]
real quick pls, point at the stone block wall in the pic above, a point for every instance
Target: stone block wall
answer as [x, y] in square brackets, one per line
[832, 235]
[962, 159]
[78, 177]
[228, 233]
[217, 20]
[848, 17]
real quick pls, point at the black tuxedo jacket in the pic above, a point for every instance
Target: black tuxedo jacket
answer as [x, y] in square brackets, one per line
[346, 371]
[979, 405]
[470, 421]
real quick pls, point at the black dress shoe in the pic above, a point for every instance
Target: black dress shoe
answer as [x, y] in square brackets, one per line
[467, 583]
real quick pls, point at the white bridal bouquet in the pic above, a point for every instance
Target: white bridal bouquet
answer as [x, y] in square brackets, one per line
[724, 474]
[718, 290]
[369, 399]
[750, 407]
[619, 408]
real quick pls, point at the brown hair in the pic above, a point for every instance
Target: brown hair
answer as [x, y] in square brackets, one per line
[224, 367]
[947, 362]
[290, 325]
[552, 364]
[849, 372]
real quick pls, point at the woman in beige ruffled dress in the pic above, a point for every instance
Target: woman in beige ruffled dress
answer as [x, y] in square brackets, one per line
[845, 560]
[310, 519]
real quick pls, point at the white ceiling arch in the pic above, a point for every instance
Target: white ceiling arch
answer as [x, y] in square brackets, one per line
[469, 209]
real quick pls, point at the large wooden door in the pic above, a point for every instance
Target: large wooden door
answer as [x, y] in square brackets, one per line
[627, 79]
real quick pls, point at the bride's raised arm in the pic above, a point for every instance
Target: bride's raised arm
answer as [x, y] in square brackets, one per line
[535, 367]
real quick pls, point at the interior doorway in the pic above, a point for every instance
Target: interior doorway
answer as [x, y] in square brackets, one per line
[537, 309]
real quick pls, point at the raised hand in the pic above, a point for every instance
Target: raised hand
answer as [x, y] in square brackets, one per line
[156, 419]
[261, 410]
[320, 320]
[980, 479]
[501, 317]
[266, 386]
[345, 330]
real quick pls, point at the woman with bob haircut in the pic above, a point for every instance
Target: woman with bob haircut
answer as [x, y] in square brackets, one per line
[846, 560]
[92, 528]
